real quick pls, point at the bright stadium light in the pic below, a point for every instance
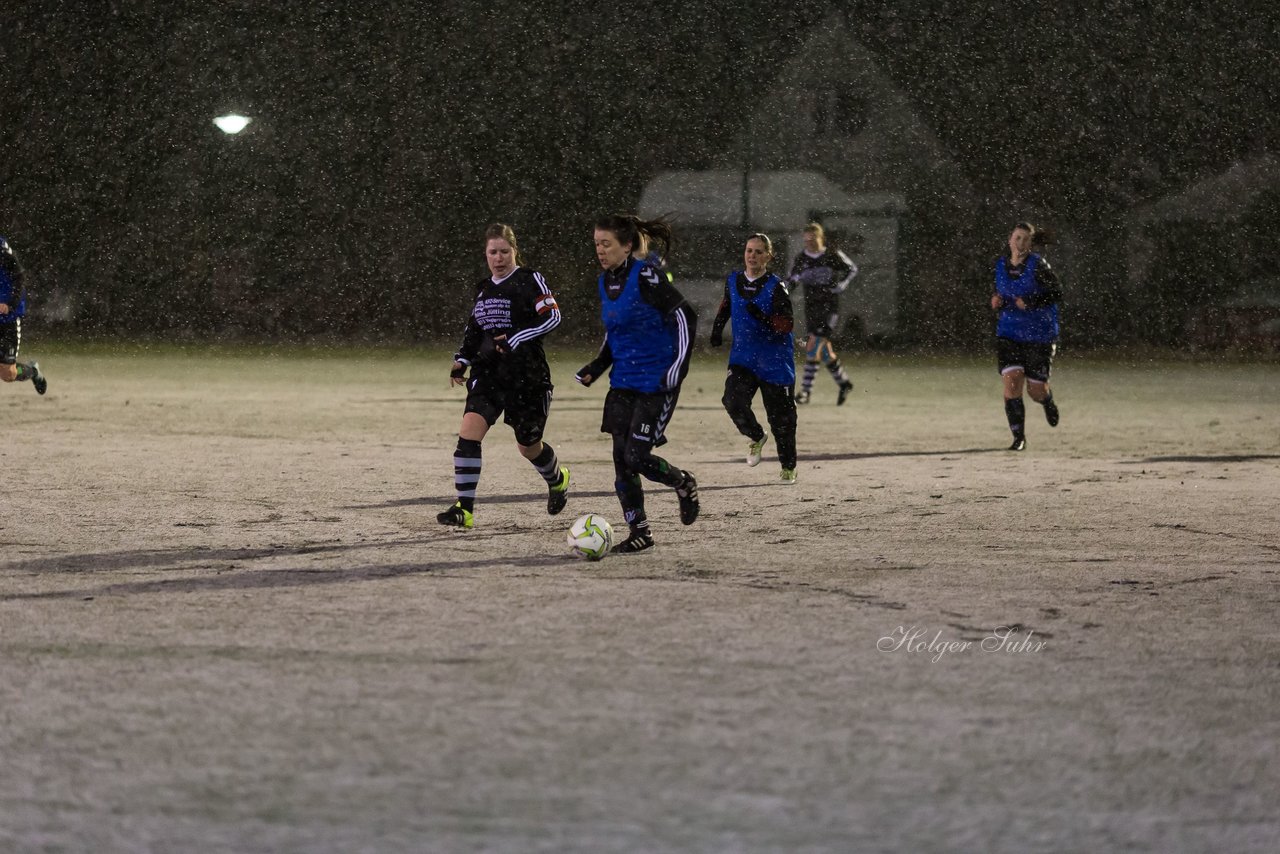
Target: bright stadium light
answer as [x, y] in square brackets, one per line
[232, 123]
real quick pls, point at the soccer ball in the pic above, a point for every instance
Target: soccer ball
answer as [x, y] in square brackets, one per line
[590, 537]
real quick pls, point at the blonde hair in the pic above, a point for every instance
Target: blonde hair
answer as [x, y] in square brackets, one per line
[502, 231]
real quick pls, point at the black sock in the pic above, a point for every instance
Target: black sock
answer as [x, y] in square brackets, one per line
[24, 372]
[631, 497]
[466, 472]
[1016, 411]
[1048, 399]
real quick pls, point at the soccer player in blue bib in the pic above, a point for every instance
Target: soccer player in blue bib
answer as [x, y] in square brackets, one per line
[13, 307]
[649, 330]
[1026, 297]
[762, 356]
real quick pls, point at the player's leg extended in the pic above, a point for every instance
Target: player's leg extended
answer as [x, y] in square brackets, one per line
[739, 390]
[529, 424]
[827, 353]
[1014, 409]
[780, 408]
[11, 370]
[650, 417]
[630, 491]
[1038, 381]
[811, 362]
[1043, 395]
[466, 471]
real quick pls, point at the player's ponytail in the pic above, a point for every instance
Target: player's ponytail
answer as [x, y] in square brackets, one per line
[1039, 236]
[635, 232]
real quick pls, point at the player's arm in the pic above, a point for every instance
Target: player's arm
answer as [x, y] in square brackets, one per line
[467, 353]
[1048, 288]
[782, 318]
[721, 318]
[9, 261]
[662, 295]
[593, 370]
[997, 299]
[843, 271]
[545, 310]
[794, 276]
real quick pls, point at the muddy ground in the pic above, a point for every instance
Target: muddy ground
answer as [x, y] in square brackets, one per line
[229, 621]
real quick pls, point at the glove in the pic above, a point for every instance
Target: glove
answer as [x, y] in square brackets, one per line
[459, 371]
[585, 375]
[717, 337]
[501, 346]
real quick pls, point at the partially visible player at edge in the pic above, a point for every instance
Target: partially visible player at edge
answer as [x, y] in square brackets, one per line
[1026, 296]
[649, 331]
[825, 274]
[13, 307]
[502, 345]
[763, 355]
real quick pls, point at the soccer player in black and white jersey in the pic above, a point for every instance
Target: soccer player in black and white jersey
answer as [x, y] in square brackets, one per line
[13, 306]
[502, 346]
[824, 274]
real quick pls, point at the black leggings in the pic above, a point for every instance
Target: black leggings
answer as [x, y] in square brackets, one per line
[779, 406]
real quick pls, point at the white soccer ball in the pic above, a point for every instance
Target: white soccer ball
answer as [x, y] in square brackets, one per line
[590, 537]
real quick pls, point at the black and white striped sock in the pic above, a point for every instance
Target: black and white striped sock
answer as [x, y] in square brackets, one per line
[548, 465]
[466, 472]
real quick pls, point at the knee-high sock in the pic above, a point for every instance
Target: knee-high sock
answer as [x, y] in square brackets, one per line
[810, 371]
[837, 371]
[466, 472]
[1016, 411]
[548, 465]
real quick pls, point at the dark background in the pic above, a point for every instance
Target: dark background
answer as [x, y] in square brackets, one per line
[385, 137]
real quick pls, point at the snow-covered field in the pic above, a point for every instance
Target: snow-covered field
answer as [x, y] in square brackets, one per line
[229, 621]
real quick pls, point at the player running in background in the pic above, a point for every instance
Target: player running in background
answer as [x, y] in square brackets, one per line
[762, 355]
[1026, 296]
[13, 307]
[825, 274]
[649, 330]
[502, 345]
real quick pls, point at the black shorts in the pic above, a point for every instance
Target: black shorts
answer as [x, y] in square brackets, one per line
[10, 339]
[638, 415]
[525, 408]
[1032, 358]
[821, 312]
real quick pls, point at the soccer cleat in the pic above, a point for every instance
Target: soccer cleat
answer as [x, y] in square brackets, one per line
[37, 379]
[845, 388]
[639, 541]
[1051, 412]
[802, 396]
[1019, 444]
[788, 476]
[457, 516]
[755, 450]
[687, 492]
[558, 495]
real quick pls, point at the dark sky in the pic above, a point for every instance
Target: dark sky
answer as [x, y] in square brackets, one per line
[385, 133]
